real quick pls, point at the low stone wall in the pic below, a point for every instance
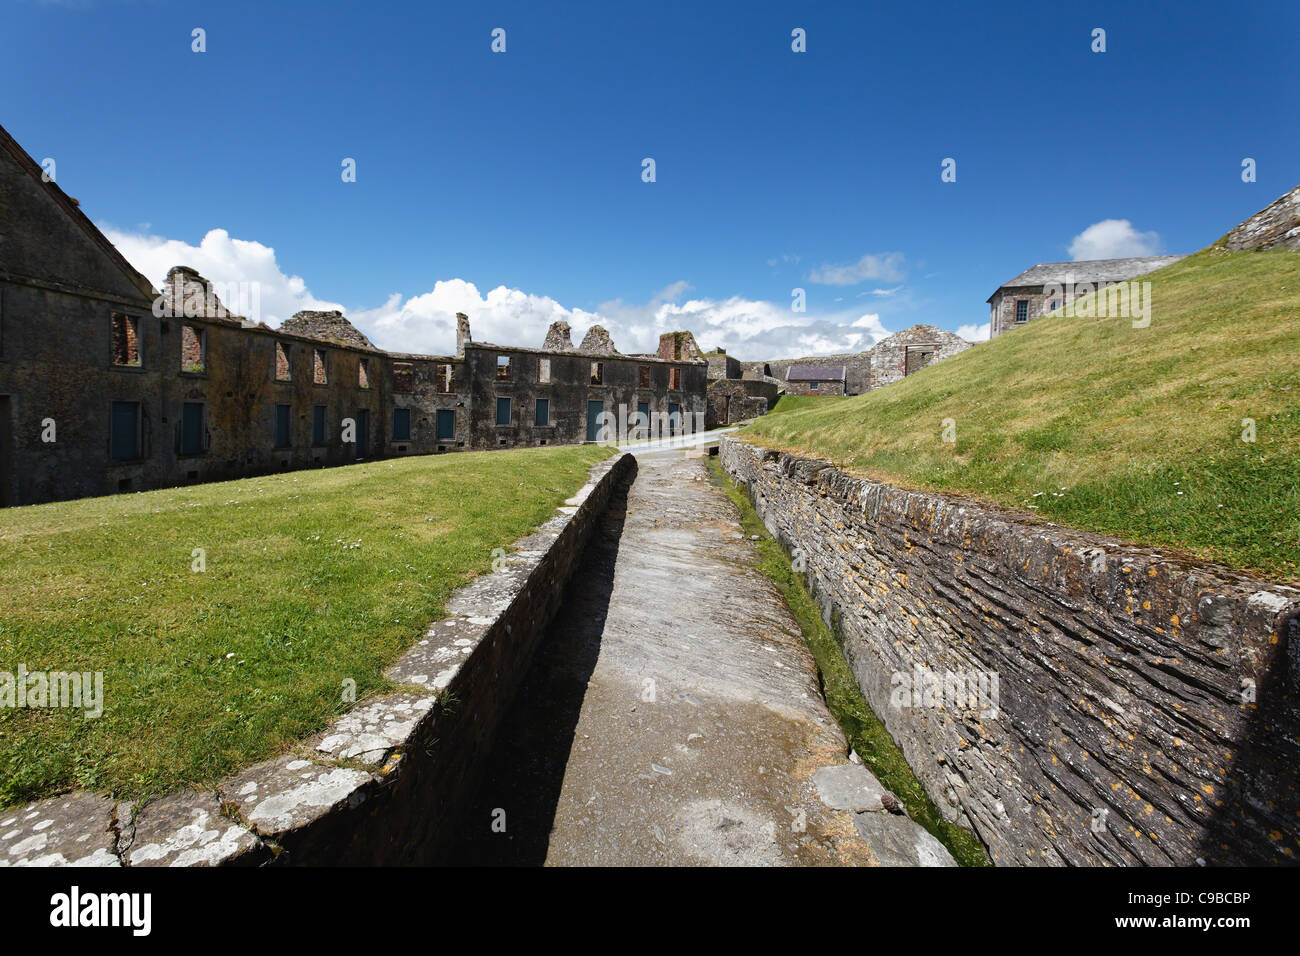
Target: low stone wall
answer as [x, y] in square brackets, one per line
[1106, 704]
[377, 786]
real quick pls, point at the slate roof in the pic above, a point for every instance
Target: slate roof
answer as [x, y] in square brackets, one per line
[1092, 271]
[815, 373]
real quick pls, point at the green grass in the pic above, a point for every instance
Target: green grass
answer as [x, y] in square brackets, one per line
[1094, 424]
[312, 577]
[865, 732]
[798, 403]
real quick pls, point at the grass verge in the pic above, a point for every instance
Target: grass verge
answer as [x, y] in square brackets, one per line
[1183, 434]
[866, 734]
[306, 580]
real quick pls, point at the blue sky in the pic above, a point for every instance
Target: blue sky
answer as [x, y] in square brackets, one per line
[509, 185]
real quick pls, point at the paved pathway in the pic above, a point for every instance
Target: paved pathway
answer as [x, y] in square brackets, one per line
[673, 715]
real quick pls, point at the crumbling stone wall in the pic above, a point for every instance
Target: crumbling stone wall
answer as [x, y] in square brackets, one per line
[1146, 707]
[1275, 227]
[731, 400]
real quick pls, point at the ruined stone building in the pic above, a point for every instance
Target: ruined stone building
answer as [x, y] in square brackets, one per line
[107, 385]
[816, 380]
[1052, 285]
[906, 352]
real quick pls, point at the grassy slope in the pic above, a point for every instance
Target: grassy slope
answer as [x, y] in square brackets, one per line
[1142, 428]
[866, 734]
[312, 577]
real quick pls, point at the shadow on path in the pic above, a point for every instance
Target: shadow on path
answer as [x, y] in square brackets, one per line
[525, 770]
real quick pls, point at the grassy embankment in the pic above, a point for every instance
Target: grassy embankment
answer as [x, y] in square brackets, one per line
[312, 578]
[1092, 423]
[866, 733]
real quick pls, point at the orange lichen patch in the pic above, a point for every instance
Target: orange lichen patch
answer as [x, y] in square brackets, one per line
[1174, 621]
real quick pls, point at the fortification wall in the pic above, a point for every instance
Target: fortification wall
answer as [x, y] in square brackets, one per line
[1135, 708]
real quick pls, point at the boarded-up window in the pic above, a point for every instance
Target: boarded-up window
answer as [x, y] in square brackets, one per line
[282, 362]
[124, 440]
[282, 426]
[318, 367]
[446, 424]
[542, 412]
[543, 370]
[363, 373]
[403, 377]
[643, 376]
[191, 428]
[193, 348]
[503, 411]
[597, 373]
[318, 424]
[126, 340]
[674, 378]
[401, 424]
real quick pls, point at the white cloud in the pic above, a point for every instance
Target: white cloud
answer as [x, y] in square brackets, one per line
[887, 267]
[226, 261]
[1114, 239]
[974, 333]
[426, 323]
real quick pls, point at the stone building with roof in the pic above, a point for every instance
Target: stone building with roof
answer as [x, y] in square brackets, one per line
[816, 380]
[1049, 286]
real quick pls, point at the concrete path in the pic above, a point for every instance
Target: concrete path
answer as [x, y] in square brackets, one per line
[673, 716]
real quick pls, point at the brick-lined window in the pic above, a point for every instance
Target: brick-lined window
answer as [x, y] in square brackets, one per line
[543, 370]
[597, 373]
[1022, 310]
[318, 370]
[403, 377]
[193, 348]
[444, 378]
[503, 368]
[282, 373]
[674, 378]
[363, 373]
[643, 376]
[126, 340]
[401, 424]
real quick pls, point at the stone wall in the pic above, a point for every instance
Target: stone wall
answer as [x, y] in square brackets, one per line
[381, 785]
[911, 350]
[1121, 705]
[1275, 227]
[734, 400]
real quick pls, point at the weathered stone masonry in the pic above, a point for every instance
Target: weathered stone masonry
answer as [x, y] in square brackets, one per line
[1147, 709]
